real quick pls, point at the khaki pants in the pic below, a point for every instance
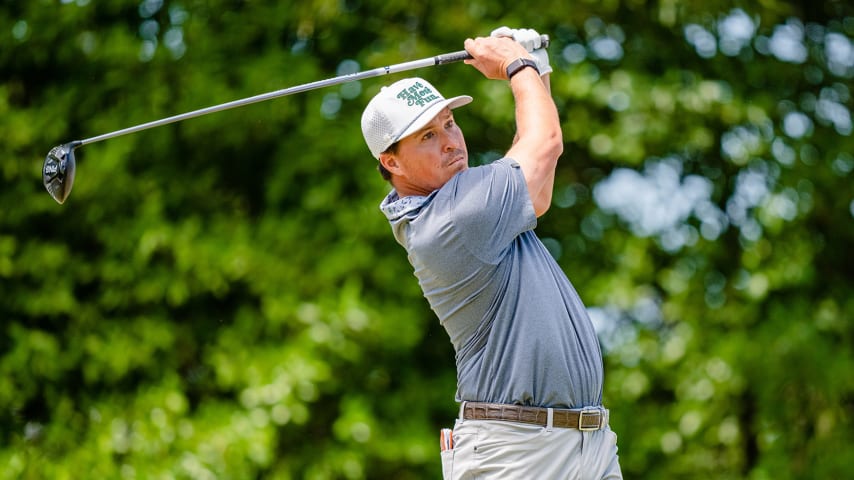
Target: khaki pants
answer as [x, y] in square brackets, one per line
[489, 449]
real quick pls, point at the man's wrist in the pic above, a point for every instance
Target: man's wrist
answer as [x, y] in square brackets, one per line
[520, 64]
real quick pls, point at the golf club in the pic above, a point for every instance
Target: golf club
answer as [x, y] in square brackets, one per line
[60, 164]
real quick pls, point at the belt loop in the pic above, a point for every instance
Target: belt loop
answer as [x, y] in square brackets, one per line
[550, 419]
[463, 410]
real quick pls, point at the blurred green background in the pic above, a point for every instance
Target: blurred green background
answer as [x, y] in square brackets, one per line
[221, 298]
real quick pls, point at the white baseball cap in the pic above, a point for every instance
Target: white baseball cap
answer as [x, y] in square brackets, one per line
[401, 109]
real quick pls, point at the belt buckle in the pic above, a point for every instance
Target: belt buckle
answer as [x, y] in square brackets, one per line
[582, 426]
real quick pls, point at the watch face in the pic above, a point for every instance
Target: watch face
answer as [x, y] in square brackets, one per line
[517, 65]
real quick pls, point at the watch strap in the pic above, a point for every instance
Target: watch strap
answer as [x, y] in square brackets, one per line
[520, 64]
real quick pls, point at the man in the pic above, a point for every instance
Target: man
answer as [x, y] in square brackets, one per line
[529, 366]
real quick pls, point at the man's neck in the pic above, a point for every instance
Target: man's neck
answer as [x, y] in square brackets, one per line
[406, 190]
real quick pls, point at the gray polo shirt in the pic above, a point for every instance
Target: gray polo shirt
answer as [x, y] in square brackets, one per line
[520, 331]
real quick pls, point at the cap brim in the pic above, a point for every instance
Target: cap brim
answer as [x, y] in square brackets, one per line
[431, 112]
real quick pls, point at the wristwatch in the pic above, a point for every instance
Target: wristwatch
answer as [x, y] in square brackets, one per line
[518, 65]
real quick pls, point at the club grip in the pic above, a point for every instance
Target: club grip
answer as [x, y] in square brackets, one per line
[464, 55]
[452, 57]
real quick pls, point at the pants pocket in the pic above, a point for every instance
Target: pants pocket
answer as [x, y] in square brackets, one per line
[448, 464]
[446, 446]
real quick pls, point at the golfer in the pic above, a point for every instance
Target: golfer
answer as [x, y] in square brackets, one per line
[529, 366]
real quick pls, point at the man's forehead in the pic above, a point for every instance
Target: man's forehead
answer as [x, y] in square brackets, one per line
[443, 115]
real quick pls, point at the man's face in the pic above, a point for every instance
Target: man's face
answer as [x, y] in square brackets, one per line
[428, 158]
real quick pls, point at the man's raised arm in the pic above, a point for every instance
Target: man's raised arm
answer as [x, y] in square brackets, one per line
[539, 141]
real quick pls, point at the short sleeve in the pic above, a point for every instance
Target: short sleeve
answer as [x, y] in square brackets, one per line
[491, 207]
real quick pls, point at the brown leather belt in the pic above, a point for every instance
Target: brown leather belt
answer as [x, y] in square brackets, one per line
[584, 420]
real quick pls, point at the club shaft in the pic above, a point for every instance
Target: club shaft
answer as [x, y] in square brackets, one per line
[352, 77]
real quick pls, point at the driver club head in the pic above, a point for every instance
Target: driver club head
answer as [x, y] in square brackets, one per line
[58, 171]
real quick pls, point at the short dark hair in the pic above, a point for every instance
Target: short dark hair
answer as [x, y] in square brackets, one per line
[392, 149]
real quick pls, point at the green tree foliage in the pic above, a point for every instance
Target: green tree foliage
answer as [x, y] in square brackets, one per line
[221, 298]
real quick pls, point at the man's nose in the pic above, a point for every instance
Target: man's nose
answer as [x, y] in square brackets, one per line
[450, 141]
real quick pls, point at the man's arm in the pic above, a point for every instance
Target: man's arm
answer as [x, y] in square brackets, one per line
[539, 141]
[545, 197]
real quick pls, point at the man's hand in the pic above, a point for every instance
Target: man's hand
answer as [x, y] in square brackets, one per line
[531, 41]
[526, 37]
[492, 55]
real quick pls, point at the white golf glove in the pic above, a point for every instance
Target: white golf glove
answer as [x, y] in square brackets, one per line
[531, 41]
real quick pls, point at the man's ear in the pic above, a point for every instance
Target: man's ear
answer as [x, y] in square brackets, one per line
[389, 161]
